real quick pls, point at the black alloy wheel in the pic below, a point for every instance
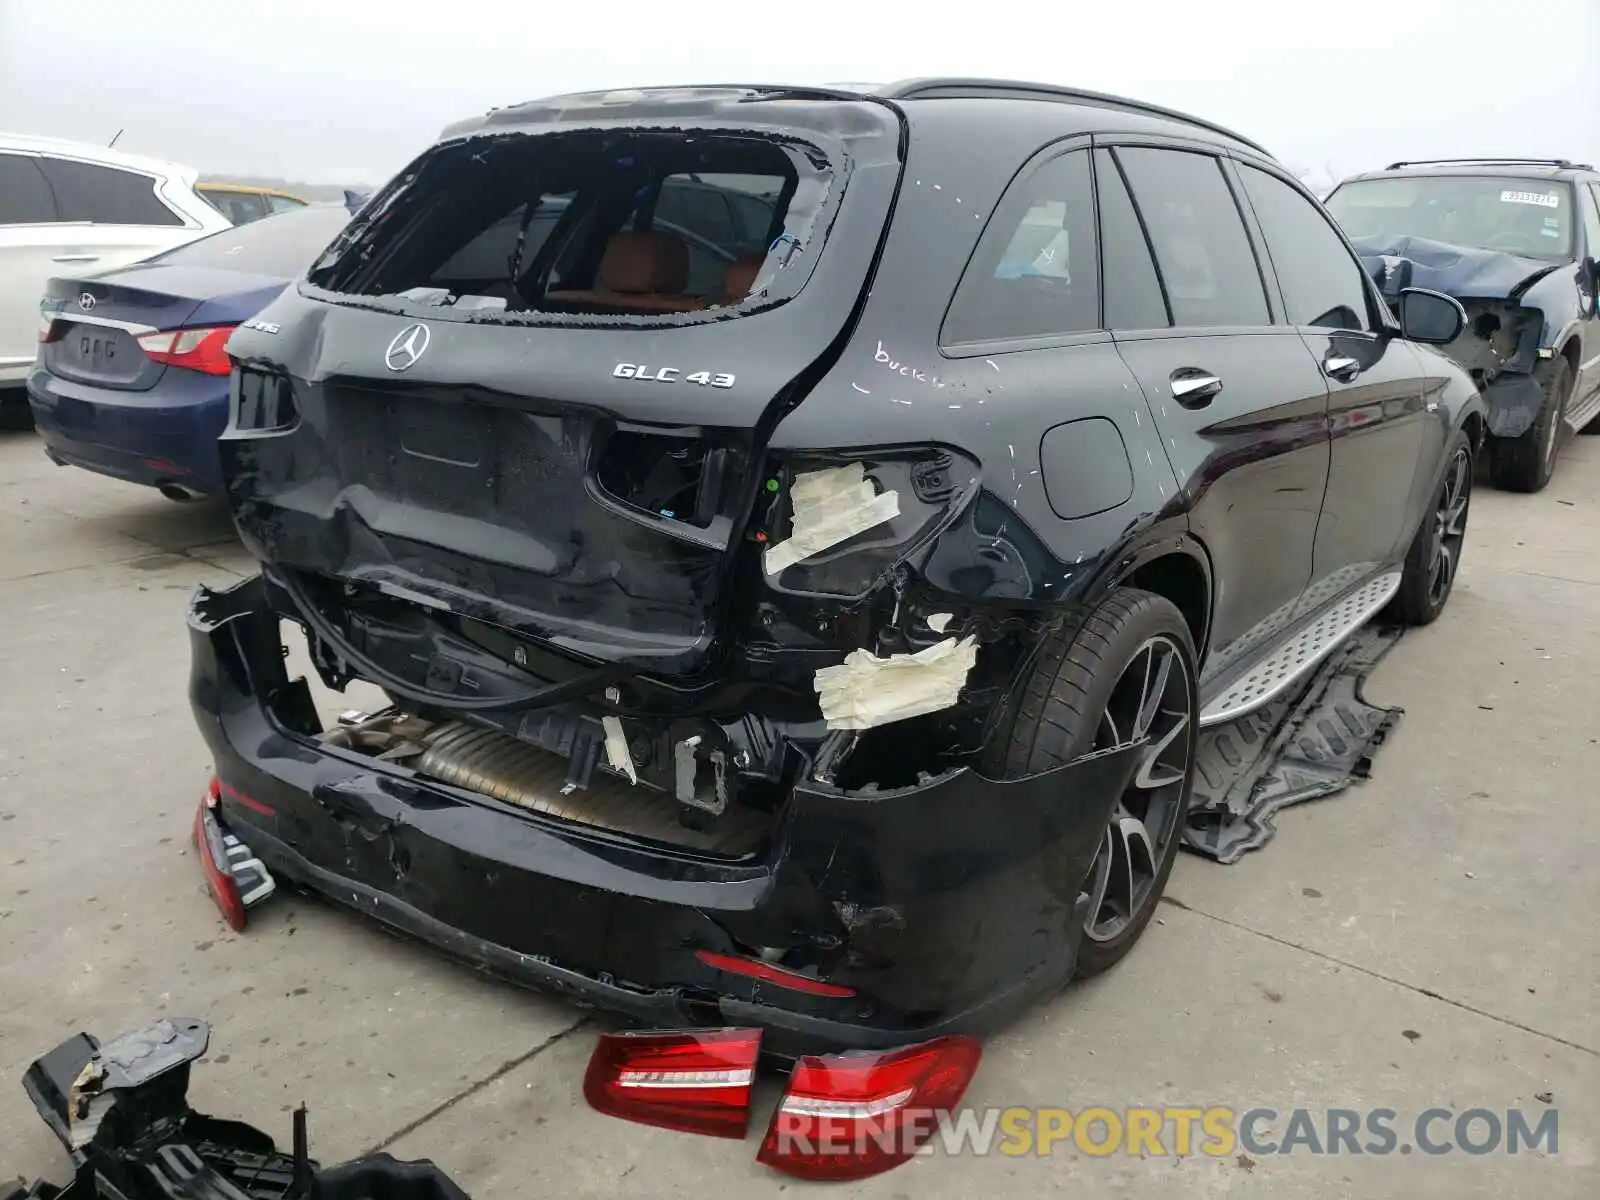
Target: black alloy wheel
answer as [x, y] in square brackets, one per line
[1152, 701]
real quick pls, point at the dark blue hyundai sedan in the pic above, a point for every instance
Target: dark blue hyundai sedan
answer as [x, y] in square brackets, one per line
[132, 379]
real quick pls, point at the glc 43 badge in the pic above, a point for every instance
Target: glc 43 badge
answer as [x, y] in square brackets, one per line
[651, 374]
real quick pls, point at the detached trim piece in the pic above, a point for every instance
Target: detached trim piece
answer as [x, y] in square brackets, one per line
[1301, 747]
[122, 1112]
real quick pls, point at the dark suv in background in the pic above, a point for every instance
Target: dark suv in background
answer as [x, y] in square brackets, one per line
[822, 642]
[1517, 241]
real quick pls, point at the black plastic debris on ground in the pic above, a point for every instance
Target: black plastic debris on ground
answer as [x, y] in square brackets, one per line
[1303, 746]
[121, 1110]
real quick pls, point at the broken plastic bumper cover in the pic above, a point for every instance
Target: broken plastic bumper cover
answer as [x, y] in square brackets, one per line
[942, 907]
[121, 1110]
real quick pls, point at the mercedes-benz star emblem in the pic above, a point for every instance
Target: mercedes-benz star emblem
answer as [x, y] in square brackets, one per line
[409, 345]
[85, 301]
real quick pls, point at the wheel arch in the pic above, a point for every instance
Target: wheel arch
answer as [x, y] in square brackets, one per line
[1178, 569]
[1476, 430]
[1572, 351]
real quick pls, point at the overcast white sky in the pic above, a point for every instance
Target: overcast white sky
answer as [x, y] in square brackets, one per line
[349, 90]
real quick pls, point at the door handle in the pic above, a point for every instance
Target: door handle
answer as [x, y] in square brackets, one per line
[1341, 367]
[76, 258]
[1194, 388]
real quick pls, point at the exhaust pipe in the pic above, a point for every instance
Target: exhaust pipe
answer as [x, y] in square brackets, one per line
[182, 493]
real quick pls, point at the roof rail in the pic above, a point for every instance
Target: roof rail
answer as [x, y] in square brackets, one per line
[1559, 163]
[958, 87]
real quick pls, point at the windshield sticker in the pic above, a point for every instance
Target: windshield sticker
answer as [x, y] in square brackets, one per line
[1542, 199]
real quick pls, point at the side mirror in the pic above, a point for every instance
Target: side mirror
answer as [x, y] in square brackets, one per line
[1430, 317]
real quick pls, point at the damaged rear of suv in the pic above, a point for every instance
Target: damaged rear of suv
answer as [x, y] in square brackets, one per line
[1517, 241]
[790, 610]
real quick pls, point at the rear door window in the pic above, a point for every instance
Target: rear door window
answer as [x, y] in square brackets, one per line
[279, 204]
[1321, 279]
[1133, 297]
[105, 195]
[1034, 272]
[733, 212]
[25, 196]
[1202, 249]
[487, 259]
[700, 209]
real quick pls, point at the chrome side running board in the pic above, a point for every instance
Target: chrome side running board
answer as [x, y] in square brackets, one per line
[1301, 651]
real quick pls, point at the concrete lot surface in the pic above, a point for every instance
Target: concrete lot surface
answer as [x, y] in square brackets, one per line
[1429, 939]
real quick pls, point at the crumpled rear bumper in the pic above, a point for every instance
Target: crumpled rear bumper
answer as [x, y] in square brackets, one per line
[945, 906]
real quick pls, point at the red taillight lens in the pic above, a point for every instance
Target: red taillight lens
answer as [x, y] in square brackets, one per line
[213, 853]
[754, 968]
[237, 879]
[193, 349]
[695, 1081]
[847, 1116]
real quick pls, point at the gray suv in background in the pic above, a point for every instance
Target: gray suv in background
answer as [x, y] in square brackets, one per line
[1517, 241]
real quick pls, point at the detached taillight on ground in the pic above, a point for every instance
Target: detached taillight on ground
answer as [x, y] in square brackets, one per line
[695, 1081]
[848, 1116]
[193, 349]
[237, 878]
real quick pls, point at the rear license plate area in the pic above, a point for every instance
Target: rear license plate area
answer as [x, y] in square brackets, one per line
[96, 354]
[463, 457]
[444, 435]
[97, 351]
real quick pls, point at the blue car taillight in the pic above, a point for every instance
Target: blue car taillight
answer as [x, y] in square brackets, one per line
[834, 526]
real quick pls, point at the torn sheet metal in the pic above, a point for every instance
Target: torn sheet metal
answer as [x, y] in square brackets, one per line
[618, 757]
[1308, 744]
[865, 691]
[829, 507]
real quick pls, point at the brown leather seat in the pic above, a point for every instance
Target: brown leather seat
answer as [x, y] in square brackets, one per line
[645, 272]
[740, 277]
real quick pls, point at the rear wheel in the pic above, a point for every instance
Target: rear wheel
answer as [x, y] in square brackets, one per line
[1128, 675]
[1525, 464]
[1435, 554]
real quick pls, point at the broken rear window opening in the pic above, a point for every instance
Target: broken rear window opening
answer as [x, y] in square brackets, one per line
[571, 227]
[1528, 217]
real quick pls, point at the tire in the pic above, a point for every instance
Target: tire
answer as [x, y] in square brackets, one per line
[1525, 463]
[1071, 703]
[1431, 564]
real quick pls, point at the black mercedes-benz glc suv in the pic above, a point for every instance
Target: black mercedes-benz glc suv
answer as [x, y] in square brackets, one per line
[802, 533]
